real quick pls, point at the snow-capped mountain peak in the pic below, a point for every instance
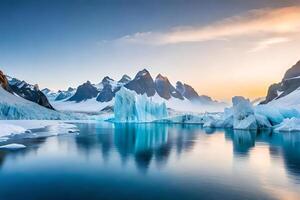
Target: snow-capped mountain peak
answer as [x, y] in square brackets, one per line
[84, 92]
[125, 79]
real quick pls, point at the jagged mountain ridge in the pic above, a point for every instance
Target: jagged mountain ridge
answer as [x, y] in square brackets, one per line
[142, 83]
[289, 83]
[27, 91]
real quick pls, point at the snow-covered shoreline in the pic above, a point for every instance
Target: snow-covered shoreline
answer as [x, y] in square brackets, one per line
[11, 128]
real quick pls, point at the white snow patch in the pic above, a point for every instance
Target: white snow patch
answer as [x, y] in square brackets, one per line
[8, 129]
[90, 105]
[53, 127]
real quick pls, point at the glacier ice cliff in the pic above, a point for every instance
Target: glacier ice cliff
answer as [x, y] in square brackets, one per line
[130, 107]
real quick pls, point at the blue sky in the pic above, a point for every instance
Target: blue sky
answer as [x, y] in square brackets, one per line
[64, 43]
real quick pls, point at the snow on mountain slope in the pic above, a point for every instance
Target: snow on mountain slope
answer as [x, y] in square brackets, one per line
[28, 91]
[289, 83]
[88, 106]
[64, 95]
[291, 100]
[13, 107]
[50, 94]
[94, 106]
[94, 97]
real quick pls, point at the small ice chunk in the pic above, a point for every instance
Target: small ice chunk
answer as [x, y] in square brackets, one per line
[13, 146]
[289, 125]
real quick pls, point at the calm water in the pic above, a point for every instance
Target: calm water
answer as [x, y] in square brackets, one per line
[106, 161]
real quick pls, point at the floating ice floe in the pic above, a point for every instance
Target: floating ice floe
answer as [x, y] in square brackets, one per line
[17, 129]
[8, 129]
[13, 146]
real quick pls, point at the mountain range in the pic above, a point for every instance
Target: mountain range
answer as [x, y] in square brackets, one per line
[20, 100]
[90, 97]
[142, 83]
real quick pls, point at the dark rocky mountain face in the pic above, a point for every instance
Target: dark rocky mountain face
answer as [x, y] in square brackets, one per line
[294, 71]
[84, 92]
[29, 92]
[165, 89]
[107, 93]
[289, 83]
[187, 91]
[142, 83]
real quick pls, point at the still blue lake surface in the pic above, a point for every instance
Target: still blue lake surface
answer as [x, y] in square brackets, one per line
[153, 161]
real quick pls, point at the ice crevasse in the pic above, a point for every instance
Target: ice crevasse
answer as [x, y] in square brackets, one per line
[131, 107]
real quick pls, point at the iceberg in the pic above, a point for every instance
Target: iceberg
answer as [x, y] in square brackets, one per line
[243, 114]
[240, 116]
[272, 113]
[288, 125]
[130, 107]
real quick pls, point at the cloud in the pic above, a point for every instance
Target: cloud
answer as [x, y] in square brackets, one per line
[268, 42]
[262, 22]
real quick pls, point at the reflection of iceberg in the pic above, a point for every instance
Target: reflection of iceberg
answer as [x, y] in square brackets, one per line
[291, 153]
[243, 141]
[143, 141]
[141, 137]
[130, 107]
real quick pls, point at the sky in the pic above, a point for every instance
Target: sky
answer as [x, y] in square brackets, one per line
[221, 48]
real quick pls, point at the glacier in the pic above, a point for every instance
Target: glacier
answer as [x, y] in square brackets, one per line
[131, 107]
[13, 107]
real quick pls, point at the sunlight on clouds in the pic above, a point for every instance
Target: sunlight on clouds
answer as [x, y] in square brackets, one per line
[263, 23]
[268, 42]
